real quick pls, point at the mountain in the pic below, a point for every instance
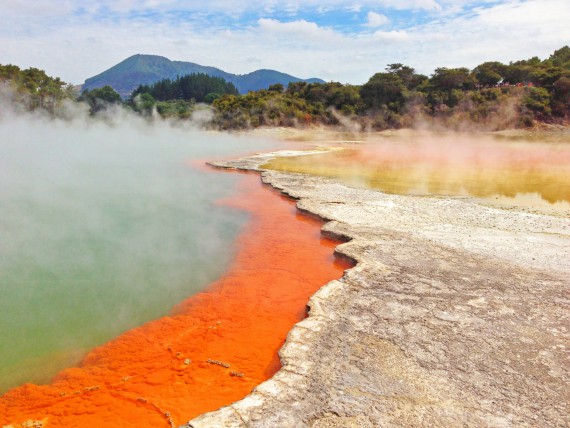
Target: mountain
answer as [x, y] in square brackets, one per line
[139, 69]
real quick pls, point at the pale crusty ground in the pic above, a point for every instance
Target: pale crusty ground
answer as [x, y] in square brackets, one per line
[456, 314]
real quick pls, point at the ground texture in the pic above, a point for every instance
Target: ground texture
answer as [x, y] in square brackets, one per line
[456, 314]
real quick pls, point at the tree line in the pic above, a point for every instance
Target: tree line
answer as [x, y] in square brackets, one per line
[32, 88]
[199, 87]
[177, 97]
[493, 95]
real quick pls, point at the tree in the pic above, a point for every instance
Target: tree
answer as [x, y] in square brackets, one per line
[33, 88]
[100, 98]
[384, 90]
[343, 97]
[490, 73]
[561, 57]
[545, 75]
[277, 87]
[538, 101]
[517, 73]
[144, 103]
[192, 87]
[408, 75]
[561, 95]
[9, 72]
[106, 94]
[296, 87]
[448, 79]
[209, 99]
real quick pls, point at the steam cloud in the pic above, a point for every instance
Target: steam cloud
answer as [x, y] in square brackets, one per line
[104, 226]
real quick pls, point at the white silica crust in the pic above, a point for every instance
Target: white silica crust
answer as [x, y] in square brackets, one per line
[454, 315]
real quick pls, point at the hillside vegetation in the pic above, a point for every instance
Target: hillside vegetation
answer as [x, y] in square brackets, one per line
[177, 97]
[492, 96]
[32, 88]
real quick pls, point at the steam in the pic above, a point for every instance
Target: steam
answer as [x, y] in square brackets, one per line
[345, 122]
[480, 165]
[104, 226]
[501, 114]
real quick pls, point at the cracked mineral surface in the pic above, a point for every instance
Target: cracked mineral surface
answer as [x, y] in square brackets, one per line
[456, 314]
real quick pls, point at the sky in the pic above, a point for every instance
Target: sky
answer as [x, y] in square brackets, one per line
[334, 40]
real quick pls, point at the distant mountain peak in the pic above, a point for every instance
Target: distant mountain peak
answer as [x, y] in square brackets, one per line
[145, 69]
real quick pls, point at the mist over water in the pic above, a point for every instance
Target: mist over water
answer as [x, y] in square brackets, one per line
[532, 174]
[102, 228]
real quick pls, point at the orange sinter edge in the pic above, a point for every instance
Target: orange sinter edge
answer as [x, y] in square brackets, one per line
[213, 350]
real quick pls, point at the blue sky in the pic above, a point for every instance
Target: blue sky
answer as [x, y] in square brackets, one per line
[331, 39]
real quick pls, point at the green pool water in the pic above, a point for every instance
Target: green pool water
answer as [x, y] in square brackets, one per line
[103, 228]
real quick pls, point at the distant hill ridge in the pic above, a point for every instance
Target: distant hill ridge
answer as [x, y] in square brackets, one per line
[139, 69]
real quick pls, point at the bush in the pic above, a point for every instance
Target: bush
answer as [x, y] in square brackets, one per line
[538, 100]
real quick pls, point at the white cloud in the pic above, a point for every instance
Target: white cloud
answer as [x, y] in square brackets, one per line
[233, 7]
[395, 36]
[392, 4]
[428, 5]
[38, 7]
[376, 20]
[80, 47]
[308, 31]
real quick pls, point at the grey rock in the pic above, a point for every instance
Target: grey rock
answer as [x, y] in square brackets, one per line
[454, 315]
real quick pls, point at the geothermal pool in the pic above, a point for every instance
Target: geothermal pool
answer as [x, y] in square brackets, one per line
[106, 229]
[512, 173]
[162, 288]
[215, 346]
[103, 228]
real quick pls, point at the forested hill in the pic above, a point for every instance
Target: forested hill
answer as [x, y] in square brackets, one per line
[137, 70]
[492, 96]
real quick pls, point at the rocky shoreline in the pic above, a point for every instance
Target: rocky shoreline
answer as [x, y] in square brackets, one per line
[456, 314]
